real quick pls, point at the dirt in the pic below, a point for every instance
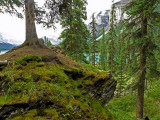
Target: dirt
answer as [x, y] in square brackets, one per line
[49, 55]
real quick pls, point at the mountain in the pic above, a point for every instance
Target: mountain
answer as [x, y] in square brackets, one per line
[102, 18]
[6, 46]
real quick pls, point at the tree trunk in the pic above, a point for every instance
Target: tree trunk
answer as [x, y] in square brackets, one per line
[112, 56]
[140, 96]
[31, 34]
[93, 49]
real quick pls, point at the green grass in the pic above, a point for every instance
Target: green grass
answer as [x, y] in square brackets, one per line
[124, 108]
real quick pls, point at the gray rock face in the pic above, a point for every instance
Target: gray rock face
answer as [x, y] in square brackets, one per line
[102, 90]
[102, 18]
[77, 108]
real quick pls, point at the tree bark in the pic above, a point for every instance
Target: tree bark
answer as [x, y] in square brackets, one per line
[141, 85]
[31, 33]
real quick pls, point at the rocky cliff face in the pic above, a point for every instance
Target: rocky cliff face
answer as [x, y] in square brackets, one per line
[30, 89]
[102, 18]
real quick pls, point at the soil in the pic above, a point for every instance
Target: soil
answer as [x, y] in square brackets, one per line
[48, 55]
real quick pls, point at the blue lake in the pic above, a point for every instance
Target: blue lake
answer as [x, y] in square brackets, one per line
[3, 51]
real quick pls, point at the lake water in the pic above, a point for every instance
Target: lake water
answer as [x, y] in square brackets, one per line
[3, 51]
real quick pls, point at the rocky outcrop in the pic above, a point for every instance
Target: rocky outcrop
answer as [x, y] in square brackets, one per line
[102, 90]
[53, 92]
[57, 49]
[3, 63]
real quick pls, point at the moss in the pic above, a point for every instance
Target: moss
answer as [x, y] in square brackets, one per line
[59, 74]
[18, 75]
[40, 64]
[89, 83]
[33, 78]
[43, 71]
[3, 100]
[1, 75]
[46, 78]
[51, 112]
[90, 73]
[104, 74]
[28, 58]
[84, 92]
[71, 69]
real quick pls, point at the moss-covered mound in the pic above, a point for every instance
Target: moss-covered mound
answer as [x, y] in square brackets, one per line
[31, 90]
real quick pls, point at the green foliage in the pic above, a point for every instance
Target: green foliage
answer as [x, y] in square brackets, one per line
[47, 42]
[10, 6]
[112, 37]
[103, 51]
[124, 108]
[28, 58]
[93, 42]
[75, 33]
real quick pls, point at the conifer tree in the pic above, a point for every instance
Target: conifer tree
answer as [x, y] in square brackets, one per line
[52, 12]
[75, 33]
[112, 37]
[102, 50]
[93, 41]
[141, 12]
[47, 42]
[121, 63]
[9, 6]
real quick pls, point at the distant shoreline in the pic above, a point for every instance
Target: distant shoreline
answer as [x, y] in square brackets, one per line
[3, 52]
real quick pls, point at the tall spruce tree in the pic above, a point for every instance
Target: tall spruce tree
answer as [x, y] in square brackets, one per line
[120, 64]
[93, 49]
[50, 14]
[102, 50]
[140, 14]
[31, 34]
[75, 33]
[112, 37]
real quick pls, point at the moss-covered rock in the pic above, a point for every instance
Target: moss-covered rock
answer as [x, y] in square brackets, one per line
[37, 91]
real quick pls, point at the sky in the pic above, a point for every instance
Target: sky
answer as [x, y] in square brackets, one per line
[14, 28]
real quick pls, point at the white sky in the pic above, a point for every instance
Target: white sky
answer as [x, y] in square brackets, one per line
[14, 28]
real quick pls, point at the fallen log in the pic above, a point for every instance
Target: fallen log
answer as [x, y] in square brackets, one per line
[3, 62]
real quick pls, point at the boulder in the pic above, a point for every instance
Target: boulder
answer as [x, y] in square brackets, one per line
[57, 49]
[102, 89]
